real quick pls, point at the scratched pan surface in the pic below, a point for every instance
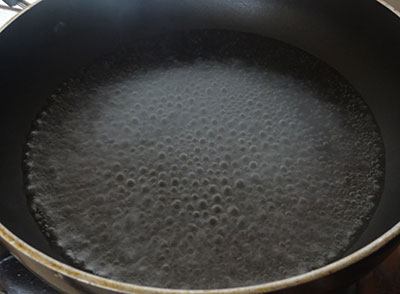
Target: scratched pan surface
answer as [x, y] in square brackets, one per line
[49, 42]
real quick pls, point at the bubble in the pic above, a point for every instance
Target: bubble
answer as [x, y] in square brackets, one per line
[217, 198]
[130, 183]
[119, 177]
[212, 188]
[202, 204]
[175, 181]
[176, 204]
[213, 221]
[253, 164]
[233, 210]
[223, 164]
[162, 183]
[283, 169]
[227, 190]
[216, 208]
[239, 184]
[224, 180]
[253, 148]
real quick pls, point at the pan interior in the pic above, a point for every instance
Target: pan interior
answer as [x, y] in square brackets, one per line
[204, 159]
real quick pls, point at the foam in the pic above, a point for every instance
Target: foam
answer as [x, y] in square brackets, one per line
[172, 176]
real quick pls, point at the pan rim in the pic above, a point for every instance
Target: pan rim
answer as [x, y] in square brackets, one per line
[20, 247]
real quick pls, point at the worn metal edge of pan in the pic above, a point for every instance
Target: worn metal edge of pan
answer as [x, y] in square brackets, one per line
[4, 26]
[19, 247]
[395, 8]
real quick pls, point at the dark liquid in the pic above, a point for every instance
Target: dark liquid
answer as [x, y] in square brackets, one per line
[218, 159]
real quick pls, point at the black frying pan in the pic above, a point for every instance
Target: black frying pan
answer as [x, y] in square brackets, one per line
[44, 46]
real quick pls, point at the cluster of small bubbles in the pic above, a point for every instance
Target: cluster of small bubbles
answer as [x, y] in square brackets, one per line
[205, 173]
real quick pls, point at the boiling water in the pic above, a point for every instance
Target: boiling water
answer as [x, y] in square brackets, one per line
[227, 165]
